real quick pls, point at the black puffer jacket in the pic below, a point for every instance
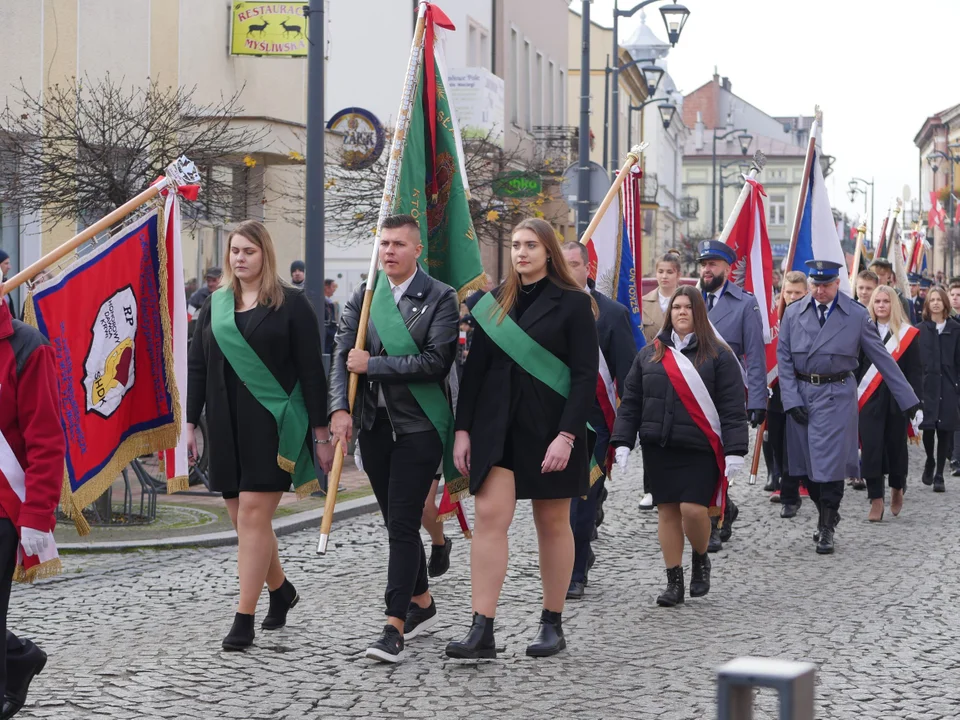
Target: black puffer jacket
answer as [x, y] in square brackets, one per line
[651, 408]
[940, 360]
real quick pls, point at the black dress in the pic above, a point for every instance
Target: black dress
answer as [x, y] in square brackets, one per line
[512, 417]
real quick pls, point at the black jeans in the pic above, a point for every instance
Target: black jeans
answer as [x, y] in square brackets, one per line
[875, 485]
[401, 470]
[944, 440]
[826, 495]
[790, 489]
[14, 647]
[583, 511]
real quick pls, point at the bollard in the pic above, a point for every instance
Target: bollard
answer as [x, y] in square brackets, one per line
[794, 681]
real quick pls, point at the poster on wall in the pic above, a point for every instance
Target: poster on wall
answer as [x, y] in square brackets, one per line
[272, 29]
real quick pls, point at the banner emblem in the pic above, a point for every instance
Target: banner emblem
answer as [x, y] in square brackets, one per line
[109, 365]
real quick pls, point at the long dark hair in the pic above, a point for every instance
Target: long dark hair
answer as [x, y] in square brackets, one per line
[944, 298]
[707, 344]
[557, 269]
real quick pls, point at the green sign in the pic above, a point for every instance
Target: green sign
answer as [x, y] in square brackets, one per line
[517, 184]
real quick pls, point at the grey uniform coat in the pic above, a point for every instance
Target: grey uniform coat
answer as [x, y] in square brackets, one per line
[825, 450]
[736, 316]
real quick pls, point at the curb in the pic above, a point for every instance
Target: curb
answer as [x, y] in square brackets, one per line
[281, 526]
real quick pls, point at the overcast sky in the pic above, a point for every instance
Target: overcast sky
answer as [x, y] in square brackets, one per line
[876, 69]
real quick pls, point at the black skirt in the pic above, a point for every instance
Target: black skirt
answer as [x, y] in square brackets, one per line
[679, 475]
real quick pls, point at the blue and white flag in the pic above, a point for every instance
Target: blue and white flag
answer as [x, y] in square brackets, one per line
[818, 238]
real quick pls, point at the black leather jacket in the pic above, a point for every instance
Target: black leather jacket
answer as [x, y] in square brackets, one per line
[431, 313]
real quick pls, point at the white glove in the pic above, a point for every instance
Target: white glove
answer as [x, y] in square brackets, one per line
[33, 541]
[357, 460]
[917, 419]
[733, 464]
[623, 457]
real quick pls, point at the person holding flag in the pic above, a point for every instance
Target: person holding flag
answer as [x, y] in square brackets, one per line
[818, 350]
[617, 351]
[735, 314]
[526, 394]
[684, 396]
[410, 347]
[883, 429]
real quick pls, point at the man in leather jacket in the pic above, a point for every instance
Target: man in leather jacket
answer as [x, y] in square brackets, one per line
[400, 446]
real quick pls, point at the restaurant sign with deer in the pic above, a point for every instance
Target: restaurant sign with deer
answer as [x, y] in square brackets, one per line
[274, 29]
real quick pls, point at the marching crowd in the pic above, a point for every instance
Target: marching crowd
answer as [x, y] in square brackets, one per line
[552, 392]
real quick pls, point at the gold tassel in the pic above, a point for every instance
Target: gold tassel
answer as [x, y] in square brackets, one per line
[476, 284]
[48, 569]
[286, 465]
[595, 474]
[307, 489]
[29, 311]
[178, 484]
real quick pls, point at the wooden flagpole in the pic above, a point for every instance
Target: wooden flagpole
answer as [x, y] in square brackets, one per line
[857, 254]
[755, 465]
[91, 232]
[633, 157]
[804, 184]
[386, 206]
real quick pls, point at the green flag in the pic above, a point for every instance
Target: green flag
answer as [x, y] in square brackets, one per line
[451, 253]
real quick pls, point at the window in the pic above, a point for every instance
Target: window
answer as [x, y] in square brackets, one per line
[485, 49]
[538, 91]
[550, 103]
[776, 175]
[473, 46]
[515, 69]
[777, 210]
[525, 85]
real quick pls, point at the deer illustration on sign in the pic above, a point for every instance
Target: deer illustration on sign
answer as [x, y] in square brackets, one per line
[257, 28]
[297, 30]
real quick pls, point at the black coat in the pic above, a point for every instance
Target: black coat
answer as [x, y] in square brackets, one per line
[883, 426]
[430, 311]
[651, 408]
[496, 394]
[940, 358]
[287, 340]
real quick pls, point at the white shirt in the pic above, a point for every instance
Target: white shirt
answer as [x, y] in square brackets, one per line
[664, 302]
[941, 326]
[883, 329]
[398, 291]
[677, 342]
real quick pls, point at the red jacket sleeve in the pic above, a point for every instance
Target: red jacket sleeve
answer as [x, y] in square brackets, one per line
[38, 415]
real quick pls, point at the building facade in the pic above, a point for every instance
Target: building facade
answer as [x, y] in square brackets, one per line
[712, 166]
[938, 143]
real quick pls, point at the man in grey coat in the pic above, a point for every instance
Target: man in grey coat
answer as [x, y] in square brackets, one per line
[735, 314]
[818, 349]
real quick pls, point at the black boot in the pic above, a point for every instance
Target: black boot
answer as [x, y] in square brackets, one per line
[549, 640]
[773, 483]
[673, 595]
[282, 600]
[789, 510]
[828, 520]
[241, 634]
[729, 517]
[700, 575]
[479, 642]
[715, 544]
[21, 669]
[928, 468]
[938, 485]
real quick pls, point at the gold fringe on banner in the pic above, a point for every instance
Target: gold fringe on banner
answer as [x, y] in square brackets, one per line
[476, 284]
[307, 489]
[48, 569]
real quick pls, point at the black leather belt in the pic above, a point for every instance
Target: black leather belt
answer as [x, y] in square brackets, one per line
[823, 379]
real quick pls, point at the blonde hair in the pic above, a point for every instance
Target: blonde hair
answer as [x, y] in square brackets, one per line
[271, 285]
[897, 319]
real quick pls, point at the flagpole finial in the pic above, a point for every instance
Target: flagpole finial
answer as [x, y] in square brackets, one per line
[636, 150]
[898, 205]
[818, 114]
[759, 160]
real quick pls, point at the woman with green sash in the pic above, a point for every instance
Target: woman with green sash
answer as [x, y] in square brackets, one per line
[528, 386]
[255, 365]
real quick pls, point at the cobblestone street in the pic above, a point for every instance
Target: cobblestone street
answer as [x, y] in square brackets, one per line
[138, 635]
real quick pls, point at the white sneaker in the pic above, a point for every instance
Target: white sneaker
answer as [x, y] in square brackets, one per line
[647, 502]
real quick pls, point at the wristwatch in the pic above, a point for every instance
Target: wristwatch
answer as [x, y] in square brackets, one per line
[323, 442]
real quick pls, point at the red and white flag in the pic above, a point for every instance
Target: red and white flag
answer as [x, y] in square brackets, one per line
[753, 269]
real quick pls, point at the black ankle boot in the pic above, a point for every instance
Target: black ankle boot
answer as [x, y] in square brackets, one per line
[282, 600]
[700, 575]
[730, 516]
[479, 642]
[715, 544]
[549, 640]
[241, 634]
[673, 595]
[773, 483]
[938, 485]
[928, 468]
[828, 523]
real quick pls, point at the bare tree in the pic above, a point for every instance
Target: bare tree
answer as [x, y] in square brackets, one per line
[80, 150]
[352, 198]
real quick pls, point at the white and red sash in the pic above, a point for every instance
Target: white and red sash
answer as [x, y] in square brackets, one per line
[13, 492]
[608, 401]
[689, 387]
[872, 378]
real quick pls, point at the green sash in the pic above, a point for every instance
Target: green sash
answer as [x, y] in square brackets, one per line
[295, 455]
[396, 340]
[526, 352]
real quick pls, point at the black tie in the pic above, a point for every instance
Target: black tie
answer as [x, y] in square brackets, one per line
[710, 298]
[823, 314]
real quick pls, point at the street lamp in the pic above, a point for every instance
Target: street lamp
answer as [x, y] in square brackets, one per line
[652, 74]
[743, 168]
[826, 164]
[674, 18]
[667, 111]
[745, 139]
[854, 186]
